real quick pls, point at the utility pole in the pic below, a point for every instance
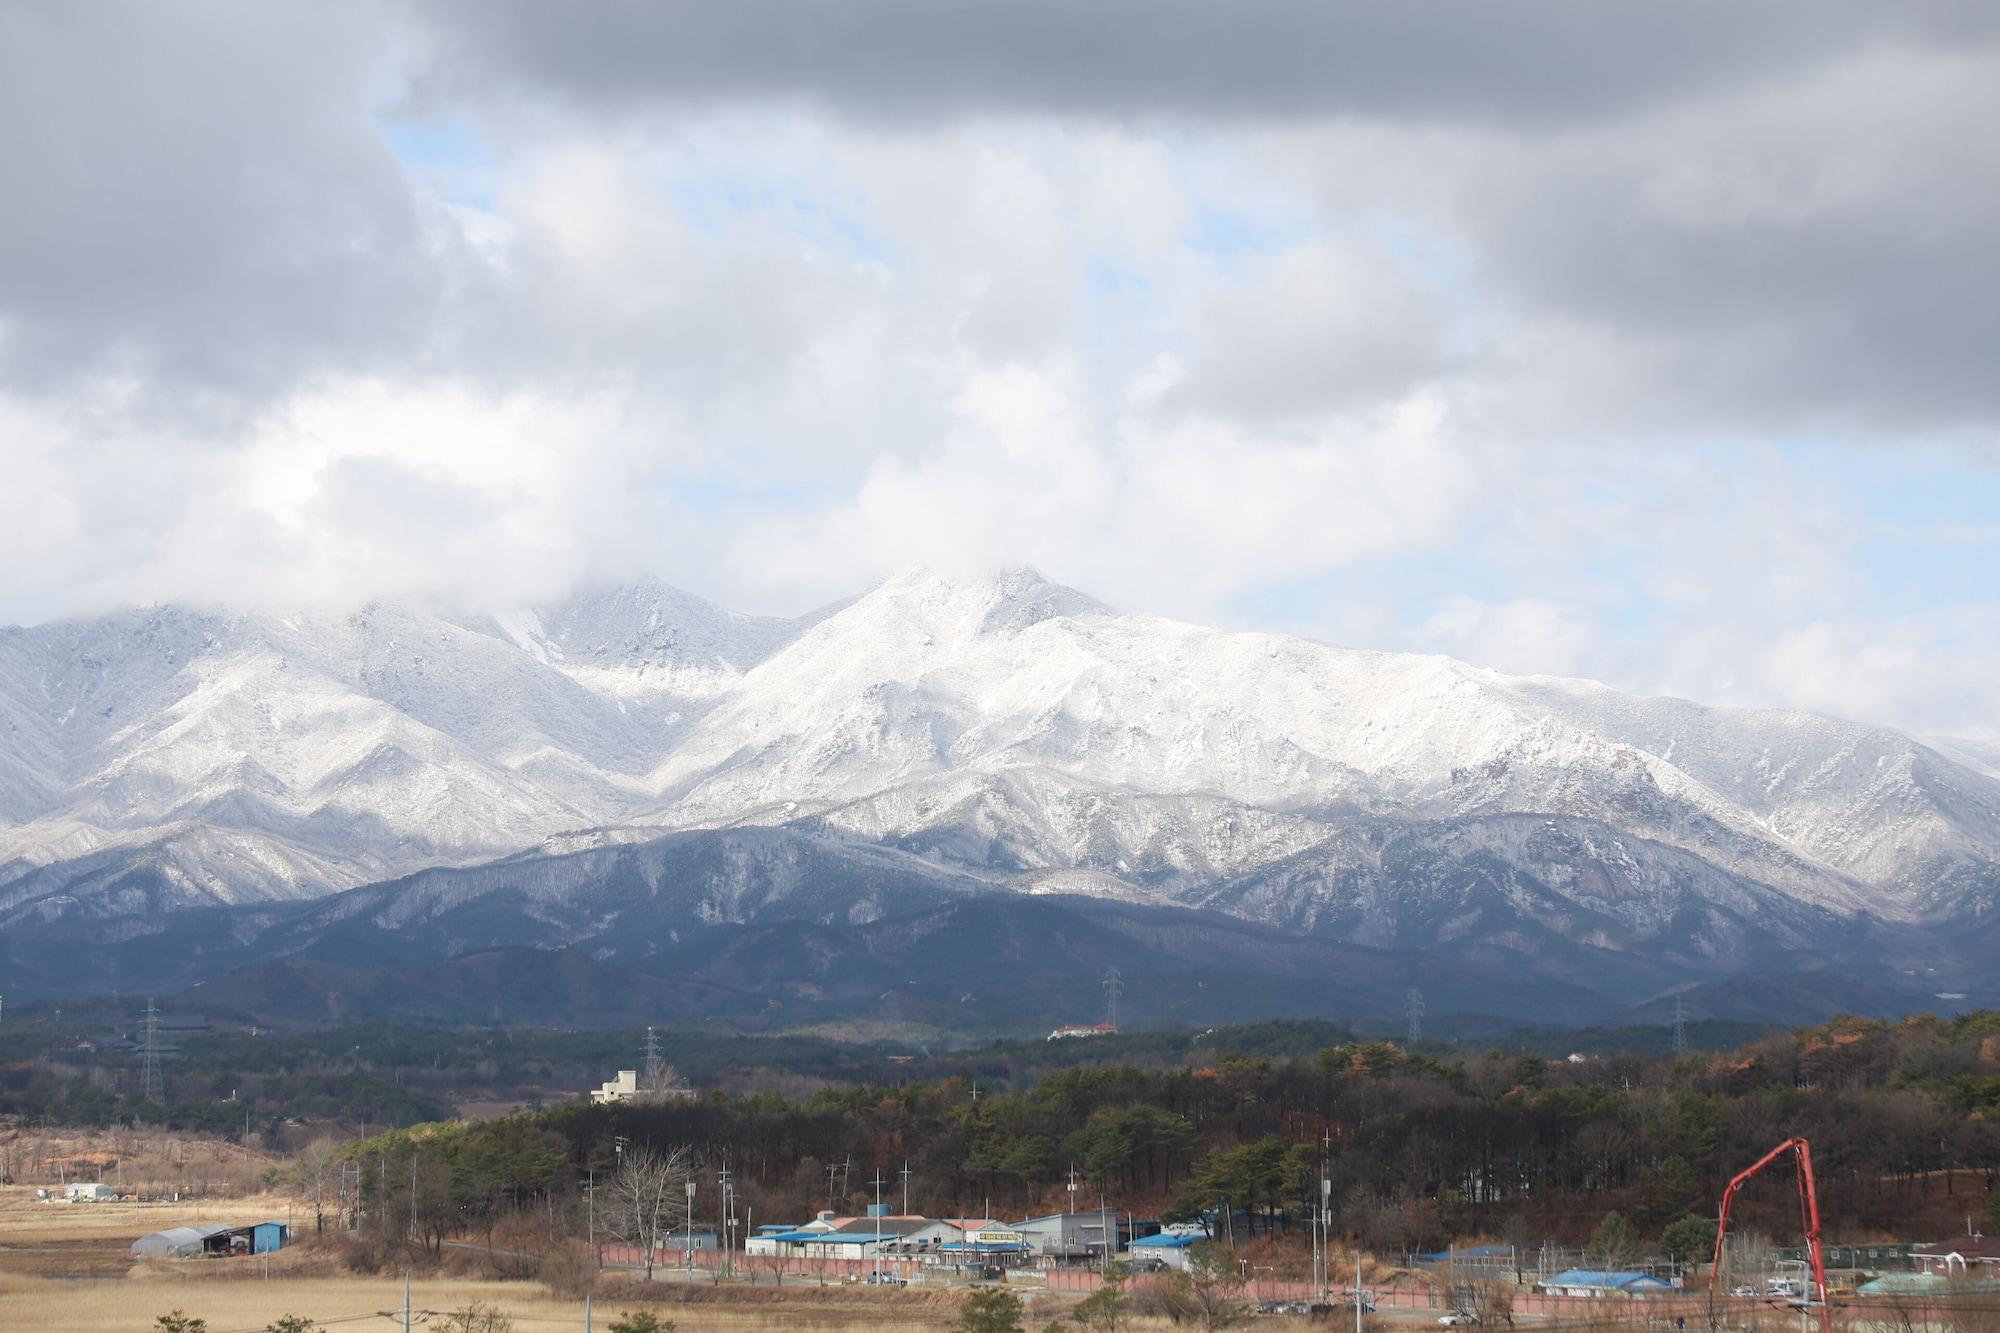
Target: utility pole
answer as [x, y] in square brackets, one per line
[1072, 1187]
[728, 1219]
[906, 1187]
[1322, 1228]
[406, 1300]
[878, 1195]
[1413, 1005]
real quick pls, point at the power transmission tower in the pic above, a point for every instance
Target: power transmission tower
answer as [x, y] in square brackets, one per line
[1413, 1005]
[1114, 986]
[1680, 1026]
[149, 1077]
[654, 1078]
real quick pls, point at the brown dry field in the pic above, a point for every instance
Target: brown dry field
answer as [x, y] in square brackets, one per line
[131, 1305]
[63, 1269]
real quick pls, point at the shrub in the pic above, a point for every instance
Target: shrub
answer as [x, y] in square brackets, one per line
[990, 1310]
[641, 1321]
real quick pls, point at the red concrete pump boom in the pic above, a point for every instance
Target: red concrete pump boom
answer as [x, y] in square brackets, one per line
[1808, 1211]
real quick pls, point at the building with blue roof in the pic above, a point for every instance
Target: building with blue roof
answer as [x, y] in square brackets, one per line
[1604, 1282]
[1170, 1250]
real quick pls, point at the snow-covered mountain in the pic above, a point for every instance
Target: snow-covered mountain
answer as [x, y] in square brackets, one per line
[1005, 729]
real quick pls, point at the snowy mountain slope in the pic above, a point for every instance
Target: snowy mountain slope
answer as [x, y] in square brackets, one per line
[926, 677]
[644, 640]
[1006, 731]
[1979, 753]
[236, 757]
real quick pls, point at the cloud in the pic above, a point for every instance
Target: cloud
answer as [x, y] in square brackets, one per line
[1525, 335]
[916, 60]
[1523, 636]
[198, 209]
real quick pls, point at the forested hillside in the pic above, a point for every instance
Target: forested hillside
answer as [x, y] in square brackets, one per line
[1904, 1119]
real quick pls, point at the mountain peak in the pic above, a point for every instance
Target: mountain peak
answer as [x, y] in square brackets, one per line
[1000, 601]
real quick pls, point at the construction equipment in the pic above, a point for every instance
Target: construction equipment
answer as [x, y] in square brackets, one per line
[1808, 1212]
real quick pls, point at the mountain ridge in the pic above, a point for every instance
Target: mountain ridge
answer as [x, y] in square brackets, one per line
[1008, 732]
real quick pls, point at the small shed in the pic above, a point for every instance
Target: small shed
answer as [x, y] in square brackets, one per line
[269, 1237]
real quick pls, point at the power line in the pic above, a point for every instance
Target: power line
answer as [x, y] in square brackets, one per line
[1114, 986]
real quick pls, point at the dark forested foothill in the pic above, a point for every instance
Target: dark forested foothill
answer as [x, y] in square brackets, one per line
[1904, 1120]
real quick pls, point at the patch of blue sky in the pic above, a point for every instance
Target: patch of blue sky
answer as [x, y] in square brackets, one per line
[717, 493]
[1446, 267]
[1410, 586]
[447, 156]
[1107, 277]
[1925, 520]
[716, 204]
[1229, 234]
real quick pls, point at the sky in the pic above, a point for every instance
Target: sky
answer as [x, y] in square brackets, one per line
[1649, 343]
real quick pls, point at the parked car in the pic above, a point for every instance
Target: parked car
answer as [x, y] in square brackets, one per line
[1457, 1318]
[1742, 1291]
[882, 1278]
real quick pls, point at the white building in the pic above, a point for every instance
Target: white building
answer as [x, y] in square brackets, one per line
[93, 1192]
[621, 1089]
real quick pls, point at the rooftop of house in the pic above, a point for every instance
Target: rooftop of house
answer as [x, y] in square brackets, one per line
[1966, 1247]
[1166, 1242]
[1615, 1279]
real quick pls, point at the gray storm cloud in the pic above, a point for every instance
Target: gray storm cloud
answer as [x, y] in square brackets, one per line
[1177, 299]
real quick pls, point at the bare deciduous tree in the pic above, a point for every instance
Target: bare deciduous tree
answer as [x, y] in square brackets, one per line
[649, 1199]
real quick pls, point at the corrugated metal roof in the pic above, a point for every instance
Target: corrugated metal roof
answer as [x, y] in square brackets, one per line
[1614, 1280]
